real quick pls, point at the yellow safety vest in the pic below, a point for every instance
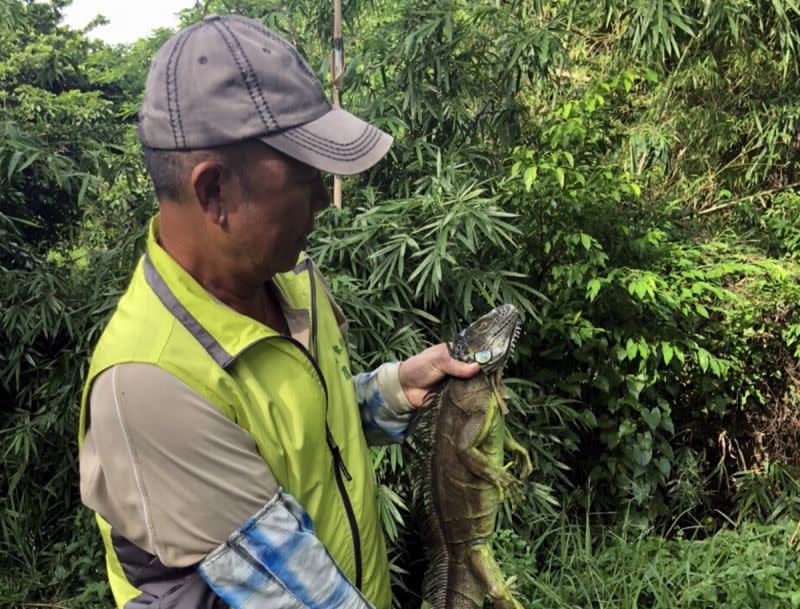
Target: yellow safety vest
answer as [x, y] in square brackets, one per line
[298, 404]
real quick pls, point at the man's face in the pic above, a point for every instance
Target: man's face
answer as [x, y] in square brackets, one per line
[278, 197]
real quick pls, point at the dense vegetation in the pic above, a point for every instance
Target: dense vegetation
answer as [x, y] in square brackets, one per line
[627, 173]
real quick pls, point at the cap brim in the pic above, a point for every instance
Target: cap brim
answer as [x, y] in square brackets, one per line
[337, 142]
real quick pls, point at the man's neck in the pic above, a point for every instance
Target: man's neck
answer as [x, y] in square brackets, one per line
[252, 298]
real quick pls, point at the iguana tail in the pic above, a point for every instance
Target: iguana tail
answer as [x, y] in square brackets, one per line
[434, 586]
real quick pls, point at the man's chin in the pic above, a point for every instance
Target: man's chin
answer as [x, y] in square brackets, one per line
[289, 263]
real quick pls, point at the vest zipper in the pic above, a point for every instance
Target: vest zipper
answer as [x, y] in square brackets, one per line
[339, 468]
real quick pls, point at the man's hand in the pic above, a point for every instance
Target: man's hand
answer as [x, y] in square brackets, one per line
[421, 375]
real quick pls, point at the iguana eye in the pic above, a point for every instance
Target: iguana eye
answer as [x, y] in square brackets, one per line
[484, 357]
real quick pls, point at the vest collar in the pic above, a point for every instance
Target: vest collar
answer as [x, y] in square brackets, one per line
[222, 331]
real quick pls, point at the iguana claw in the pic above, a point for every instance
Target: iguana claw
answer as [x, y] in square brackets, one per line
[504, 480]
[527, 466]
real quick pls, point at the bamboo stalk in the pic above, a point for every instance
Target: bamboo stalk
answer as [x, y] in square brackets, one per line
[337, 73]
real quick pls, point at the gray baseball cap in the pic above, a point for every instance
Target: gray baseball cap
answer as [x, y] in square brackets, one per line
[228, 78]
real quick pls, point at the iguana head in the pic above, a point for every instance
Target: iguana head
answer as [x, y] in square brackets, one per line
[489, 340]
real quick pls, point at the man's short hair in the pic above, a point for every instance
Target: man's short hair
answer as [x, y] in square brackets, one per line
[171, 170]
[167, 170]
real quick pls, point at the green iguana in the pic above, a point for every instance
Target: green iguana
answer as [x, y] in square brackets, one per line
[462, 475]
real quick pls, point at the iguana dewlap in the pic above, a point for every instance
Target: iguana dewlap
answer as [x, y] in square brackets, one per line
[466, 479]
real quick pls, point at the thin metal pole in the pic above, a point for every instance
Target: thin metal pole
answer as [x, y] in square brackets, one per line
[337, 72]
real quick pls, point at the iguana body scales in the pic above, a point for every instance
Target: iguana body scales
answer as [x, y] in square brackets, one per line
[466, 479]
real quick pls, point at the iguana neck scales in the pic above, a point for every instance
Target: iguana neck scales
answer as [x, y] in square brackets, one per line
[464, 479]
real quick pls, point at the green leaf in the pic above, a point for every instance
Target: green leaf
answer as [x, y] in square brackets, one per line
[530, 177]
[593, 288]
[667, 351]
[626, 428]
[559, 176]
[12, 165]
[601, 382]
[631, 349]
[702, 359]
[642, 456]
[652, 417]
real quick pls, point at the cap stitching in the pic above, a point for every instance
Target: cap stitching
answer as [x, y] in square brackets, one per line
[342, 156]
[182, 44]
[248, 83]
[169, 85]
[169, 82]
[272, 36]
[368, 142]
[350, 144]
[364, 141]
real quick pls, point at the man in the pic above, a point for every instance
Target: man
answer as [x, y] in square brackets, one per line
[222, 436]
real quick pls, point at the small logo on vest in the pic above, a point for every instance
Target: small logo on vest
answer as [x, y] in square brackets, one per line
[340, 351]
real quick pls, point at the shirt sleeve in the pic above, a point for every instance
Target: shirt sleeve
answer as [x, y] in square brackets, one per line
[386, 414]
[276, 560]
[165, 467]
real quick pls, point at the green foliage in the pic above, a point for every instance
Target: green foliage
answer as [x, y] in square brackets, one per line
[58, 127]
[51, 318]
[634, 313]
[576, 565]
[450, 76]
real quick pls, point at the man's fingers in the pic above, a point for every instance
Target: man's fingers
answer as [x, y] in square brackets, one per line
[453, 367]
[463, 370]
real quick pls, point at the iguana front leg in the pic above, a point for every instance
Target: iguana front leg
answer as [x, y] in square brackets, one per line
[473, 434]
[520, 453]
[509, 443]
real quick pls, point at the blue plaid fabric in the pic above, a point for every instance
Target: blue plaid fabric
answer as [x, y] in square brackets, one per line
[382, 424]
[275, 560]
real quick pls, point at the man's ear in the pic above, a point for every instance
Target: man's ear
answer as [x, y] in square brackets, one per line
[206, 182]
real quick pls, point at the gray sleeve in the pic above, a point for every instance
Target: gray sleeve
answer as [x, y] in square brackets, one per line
[162, 587]
[165, 467]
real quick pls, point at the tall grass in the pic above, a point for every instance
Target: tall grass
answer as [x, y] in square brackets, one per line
[572, 564]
